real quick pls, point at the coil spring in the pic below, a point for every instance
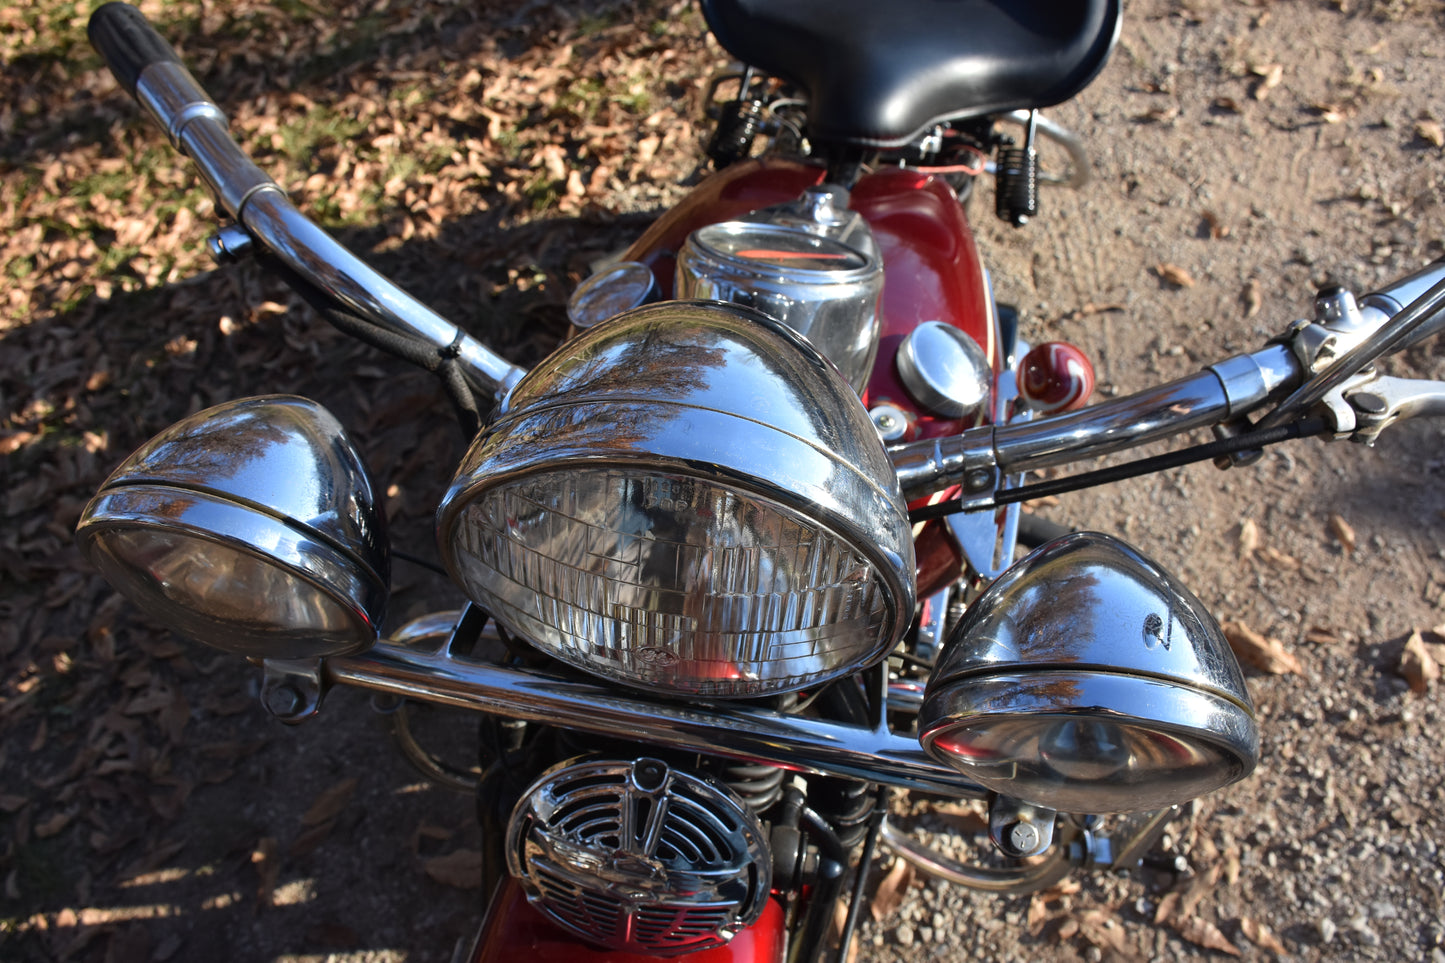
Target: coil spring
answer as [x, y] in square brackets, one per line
[1016, 188]
[737, 128]
[846, 803]
[760, 786]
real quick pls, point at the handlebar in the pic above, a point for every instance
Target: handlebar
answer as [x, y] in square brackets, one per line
[151, 71]
[1309, 362]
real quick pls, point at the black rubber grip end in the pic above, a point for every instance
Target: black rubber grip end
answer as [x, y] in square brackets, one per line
[128, 42]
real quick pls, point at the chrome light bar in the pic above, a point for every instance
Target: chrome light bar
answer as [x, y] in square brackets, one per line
[740, 731]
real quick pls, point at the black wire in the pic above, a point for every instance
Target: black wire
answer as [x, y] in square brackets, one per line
[1304, 428]
[440, 361]
[418, 560]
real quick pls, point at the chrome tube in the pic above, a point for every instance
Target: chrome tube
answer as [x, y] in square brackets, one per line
[1197, 401]
[1392, 299]
[738, 731]
[197, 127]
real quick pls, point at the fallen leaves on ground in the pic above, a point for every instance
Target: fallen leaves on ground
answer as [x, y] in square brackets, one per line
[1248, 538]
[1343, 532]
[1175, 275]
[461, 868]
[1204, 933]
[892, 889]
[1265, 653]
[1261, 936]
[329, 803]
[1418, 665]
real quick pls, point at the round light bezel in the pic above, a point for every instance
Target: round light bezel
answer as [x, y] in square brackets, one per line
[271, 481]
[1087, 629]
[707, 391]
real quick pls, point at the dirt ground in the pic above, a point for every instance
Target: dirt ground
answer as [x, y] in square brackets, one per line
[1245, 154]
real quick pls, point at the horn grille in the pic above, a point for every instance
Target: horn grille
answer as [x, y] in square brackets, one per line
[639, 857]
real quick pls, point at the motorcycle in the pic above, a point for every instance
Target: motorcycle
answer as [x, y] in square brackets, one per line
[739, 555]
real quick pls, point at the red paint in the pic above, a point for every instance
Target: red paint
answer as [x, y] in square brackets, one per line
[513, 931]
[931, 272]
[1055, 377]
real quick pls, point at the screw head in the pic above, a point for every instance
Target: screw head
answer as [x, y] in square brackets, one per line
[283, 700]
[1024, 837]
[977, 479]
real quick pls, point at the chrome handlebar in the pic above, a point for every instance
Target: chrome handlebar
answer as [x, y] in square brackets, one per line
[1325, 361]
[147, 66]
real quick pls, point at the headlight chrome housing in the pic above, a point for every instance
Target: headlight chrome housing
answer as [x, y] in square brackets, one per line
[687, 497]
[1086, 679]
[251, 527]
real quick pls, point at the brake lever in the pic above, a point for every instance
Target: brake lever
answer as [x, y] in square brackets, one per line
[1383, 401]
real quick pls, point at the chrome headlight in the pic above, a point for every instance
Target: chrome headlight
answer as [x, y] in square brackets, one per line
[250, 527]
[1087, 680]
[687, 497]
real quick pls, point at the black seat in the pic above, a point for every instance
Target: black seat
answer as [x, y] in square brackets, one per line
[880, 72]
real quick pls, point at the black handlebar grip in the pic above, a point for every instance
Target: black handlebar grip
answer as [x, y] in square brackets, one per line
[128, 42]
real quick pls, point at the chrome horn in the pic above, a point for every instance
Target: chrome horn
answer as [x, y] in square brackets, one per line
[1086, 679]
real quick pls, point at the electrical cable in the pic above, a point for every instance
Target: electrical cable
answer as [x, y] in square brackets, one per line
[1304, 428]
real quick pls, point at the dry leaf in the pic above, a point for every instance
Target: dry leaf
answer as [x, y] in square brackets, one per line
[1417, 666]
[1217, 228]
[891, 890]
[1158, 115]
[1175, 275]
[268, 867]
[1266, 654]
[1279, 559]
[1203, 933]
[1101, 929]
[1342, 531]
[1270, 77]
[52, 826]
[1248, 539]
[330, 803]
[462, 869]
[1166, 908]
[1090, 309]
[1250, 298]
[1429, 130]
[11, 441]
[1227, 103]
[1261, 936]
[1039, 915]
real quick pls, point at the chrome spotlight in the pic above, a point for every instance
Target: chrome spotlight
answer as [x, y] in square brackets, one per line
[640, 857]
[1086, 679]
[250, 527]
[686, 497]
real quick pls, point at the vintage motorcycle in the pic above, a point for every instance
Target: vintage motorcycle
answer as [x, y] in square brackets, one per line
[738, 556]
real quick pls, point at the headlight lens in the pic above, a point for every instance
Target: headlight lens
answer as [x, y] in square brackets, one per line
[671, 580]
[686, 497]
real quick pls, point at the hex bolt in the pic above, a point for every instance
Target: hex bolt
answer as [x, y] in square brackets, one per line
[284, 701]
